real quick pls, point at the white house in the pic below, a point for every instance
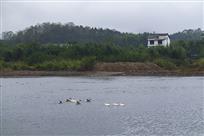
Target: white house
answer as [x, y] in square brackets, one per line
[160, 39]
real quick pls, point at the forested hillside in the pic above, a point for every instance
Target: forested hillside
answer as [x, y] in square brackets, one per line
[188, 35]
[70, 33]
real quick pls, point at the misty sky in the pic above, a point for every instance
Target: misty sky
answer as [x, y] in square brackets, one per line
[123, 16]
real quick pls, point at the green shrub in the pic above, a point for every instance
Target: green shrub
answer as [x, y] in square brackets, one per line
[199, 63]
[87, 63]
[20, 66]
[2, 64]
[59, 65]
[166, 64]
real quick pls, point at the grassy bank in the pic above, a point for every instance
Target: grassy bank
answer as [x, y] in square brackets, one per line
[83, 64]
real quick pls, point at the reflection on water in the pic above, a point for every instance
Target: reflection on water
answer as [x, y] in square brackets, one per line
[157, 106]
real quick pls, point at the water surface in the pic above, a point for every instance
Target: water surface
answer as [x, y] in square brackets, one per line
[157, 106]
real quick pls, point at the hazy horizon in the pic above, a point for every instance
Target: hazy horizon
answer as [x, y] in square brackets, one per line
[131, 17]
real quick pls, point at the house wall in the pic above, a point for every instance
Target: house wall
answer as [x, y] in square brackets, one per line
[165, 42]
[148, 44]
[169, 41]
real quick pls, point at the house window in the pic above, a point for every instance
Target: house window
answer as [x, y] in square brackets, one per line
[159, 41]
[151, 42]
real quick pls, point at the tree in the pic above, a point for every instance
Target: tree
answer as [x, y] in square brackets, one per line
[7, 35]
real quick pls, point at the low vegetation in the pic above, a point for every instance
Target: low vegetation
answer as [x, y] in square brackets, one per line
[83, 57]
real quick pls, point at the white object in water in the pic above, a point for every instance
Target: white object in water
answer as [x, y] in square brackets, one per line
[115, 104]
[106, 104]
[121, 104]
[72, 100]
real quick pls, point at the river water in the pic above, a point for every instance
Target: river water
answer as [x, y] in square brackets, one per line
[154, 106]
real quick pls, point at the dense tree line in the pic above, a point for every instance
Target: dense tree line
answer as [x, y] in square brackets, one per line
[35, 56]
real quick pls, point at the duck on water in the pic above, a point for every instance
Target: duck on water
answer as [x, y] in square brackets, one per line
[73, 101]
[88, 100]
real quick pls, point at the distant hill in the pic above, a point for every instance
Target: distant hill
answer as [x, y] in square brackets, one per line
[70, 33]
[188, 34]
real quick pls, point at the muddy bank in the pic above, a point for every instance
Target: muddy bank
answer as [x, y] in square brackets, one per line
[146, 69]
[26, 73]
[130, 68]
[112, 69]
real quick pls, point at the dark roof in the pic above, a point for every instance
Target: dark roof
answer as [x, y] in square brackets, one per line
[156, 39]
[162, 34]
[156, 35]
